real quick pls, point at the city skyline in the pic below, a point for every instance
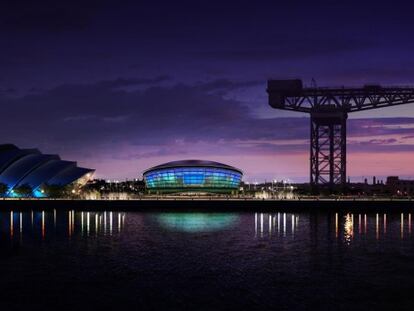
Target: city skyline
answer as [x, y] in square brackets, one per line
[123, 87]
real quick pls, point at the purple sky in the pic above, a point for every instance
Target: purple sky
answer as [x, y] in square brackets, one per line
[123, 85]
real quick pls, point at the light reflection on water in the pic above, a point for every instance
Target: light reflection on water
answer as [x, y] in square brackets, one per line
[84, 223]
[221, 260]
[278, 224]
[343, 227]
[196, 222]
[347, 227]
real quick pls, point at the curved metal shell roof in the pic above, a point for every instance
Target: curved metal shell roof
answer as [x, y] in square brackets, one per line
[45, 172]
[193, 163]
[68, 176]
[31, 167]
[8, 156]
[19, 169]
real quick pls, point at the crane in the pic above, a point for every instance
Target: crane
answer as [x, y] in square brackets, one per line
[328, 109]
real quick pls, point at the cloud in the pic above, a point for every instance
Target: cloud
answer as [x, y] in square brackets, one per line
[50, 16]
[379, 141]
[228, 85]
[381, 126]
[106, 119]
[8, 91]
[125, 82]
[284, 48]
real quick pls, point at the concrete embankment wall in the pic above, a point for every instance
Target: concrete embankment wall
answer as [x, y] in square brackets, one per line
[213, 205]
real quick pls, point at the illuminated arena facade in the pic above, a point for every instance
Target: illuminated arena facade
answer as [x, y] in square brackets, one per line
[31, 168]
[188, 176]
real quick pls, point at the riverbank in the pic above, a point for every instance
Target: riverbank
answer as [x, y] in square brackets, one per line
[216, 205]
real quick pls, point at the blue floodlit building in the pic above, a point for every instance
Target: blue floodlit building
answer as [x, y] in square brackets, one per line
[192, 176]
[31, 168]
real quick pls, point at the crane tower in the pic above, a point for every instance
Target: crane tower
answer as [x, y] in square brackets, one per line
[328, 109]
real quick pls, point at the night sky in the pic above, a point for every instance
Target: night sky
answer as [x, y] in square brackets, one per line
[120, 86]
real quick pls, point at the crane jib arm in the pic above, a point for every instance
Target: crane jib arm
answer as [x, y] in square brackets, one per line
[291, 95]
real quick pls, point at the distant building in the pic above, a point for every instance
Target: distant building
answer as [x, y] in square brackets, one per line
[399, 186]
[107, 188]
[192, 176]
[33, 171]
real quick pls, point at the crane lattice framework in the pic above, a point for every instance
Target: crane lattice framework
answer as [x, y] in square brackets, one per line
[328, 109]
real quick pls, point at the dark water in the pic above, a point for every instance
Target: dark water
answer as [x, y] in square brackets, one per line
[206, 261]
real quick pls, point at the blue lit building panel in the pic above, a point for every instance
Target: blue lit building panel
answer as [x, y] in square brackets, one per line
[45, 172]
[202, 176]
[13, 174]
[9, 156]
[29, 166]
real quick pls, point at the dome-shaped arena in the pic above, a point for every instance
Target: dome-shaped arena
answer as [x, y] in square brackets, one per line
[192, 176]
[34, 170]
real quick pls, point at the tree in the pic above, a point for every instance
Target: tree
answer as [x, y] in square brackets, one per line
[55, 191]
[3, 190]
[24, 191]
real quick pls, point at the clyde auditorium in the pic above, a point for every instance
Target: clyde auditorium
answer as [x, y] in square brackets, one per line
[192, 176]
[30, 167]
